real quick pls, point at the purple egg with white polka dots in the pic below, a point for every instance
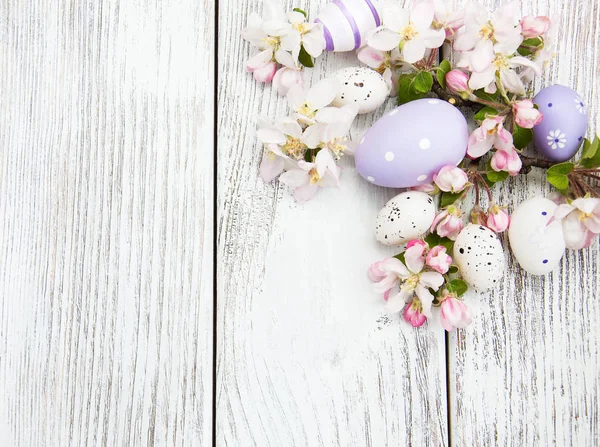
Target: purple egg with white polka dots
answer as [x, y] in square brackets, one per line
[560, 134]
[410, 144]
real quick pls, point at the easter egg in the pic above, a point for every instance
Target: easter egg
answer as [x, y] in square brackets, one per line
[407, 216]
[537, 246]
[479, 256]
[560, 134]
[361, 86]
[346, 23]
[410, 144]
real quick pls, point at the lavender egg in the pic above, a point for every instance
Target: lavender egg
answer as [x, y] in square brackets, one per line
[346, 23]
[410, 144]
[560, 134]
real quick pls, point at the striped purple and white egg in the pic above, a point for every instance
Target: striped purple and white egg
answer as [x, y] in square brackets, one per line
[346, 23]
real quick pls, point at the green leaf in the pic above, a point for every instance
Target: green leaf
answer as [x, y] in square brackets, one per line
[305, 59]
[400, 258]
[590, 158]
[481, 94]
[458, 287]
[423, 82]
[484, 113]
[444, 69]
[434, 239]
[300, 11]
[496, 177]
[522, 137]
[557, 175]
[453, 270]
[406, 93]
[525, 48]
[449, 198]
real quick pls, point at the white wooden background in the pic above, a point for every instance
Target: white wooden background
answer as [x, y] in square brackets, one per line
[107, 257]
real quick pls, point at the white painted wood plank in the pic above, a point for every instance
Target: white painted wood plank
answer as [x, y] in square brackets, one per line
[302, 359]
[106, 185]
[527, 372]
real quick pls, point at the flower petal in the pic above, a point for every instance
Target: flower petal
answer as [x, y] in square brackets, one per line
[433, 280]
[384, 40]
[371, 57]
[426, 298]
[414, 50]
[323, 93]
[304, 193]
[294, 178]
[270, 167]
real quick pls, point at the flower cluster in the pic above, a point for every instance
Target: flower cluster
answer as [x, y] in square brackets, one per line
[408, 283]
[285, 43]
[303, 148]
[580, 221]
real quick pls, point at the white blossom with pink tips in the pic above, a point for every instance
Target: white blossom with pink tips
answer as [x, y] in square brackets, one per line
[534, 26]
[491, 134]
[438, 259]
[498, 219]
[580, 221]
[446, 19]
[454, 313]
[448, 222]
[507, 160]
[451, 179]
[286, 78]
[413, 313]
[526, 115]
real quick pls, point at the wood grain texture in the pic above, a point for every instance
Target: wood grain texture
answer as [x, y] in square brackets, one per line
[302, 358]
[528, 371]
[106, 187]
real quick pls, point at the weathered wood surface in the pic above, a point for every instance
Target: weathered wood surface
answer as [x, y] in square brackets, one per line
[106, 208]
[302, 359]
[528, 371]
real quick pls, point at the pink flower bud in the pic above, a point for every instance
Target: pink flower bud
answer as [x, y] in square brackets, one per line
[448, 223]
[454, 314]
[526, 115]
[507, 160]
[498, 219]
[534, 26]
[428, 188]
[413, 313]
[438, 259]
[451, 179]
[285, 78]
[264, 73]
[457, 81]
[478, 217]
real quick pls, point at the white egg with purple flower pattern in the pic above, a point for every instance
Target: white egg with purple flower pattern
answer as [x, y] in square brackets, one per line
[536, 239]
[405, 217]
[361, 86]
[479, 256]
[560, 134]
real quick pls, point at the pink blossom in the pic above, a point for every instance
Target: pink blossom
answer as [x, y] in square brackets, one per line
[262, 66]
[526, 115]
[490, 134]
[413, 313]
[438, 259]
[534, 26]
[448, 223]
[417, 243]
[451, 179]
[498, 219]
[507, 160]
[451, 21]
[428, 188]
[580, 221]
[457, 81]
[286, 78]
[478, 217]
[454, 313]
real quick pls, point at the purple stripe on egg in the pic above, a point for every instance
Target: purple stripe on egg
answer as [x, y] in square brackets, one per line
[327, 35]
[351, 21]
[374, 11]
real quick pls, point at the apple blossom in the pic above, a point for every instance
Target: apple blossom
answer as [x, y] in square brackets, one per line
[534, 26]
[448, 222]
[438, 259]
[409, 30]
[526, 115]
[454, 313]
[449, 21]
[413, 313]
[580, 221]
[302, 34]
[262, 67]
[428, 188]
[457, 82]
[507, 160]
[451, 179]
[286, 78]
[498, 219]
[490, 134]
[310, 106]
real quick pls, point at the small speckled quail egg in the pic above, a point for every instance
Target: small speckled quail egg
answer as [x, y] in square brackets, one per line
[537, 246]
[361, 86]
[479, 256]
[407, 216]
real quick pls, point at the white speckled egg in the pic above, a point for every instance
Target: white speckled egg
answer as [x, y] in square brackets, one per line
[479, 256]
[407, 216]
[361, 86]
[537, 246]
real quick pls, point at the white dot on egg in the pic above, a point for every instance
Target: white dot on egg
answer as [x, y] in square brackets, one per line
[371, 179]
[425, 143]
[421, 178]
[389, 156]
[433, 101]
[393, 112]
[362, 140]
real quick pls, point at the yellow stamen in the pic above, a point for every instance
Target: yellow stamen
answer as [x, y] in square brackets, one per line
[409, 32]
[306, 110]
[410, 284]
[294, 148]
[314, 176]
[487, 32]
[302, 28]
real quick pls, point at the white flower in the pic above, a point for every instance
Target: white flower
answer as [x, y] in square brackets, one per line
[308, 177]
[413, 280]
[309, 35]
[580, 105]
[556, 139]
[580, 221]
[450, 21]
[285, 78]
[409, 30]
[310, 106]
